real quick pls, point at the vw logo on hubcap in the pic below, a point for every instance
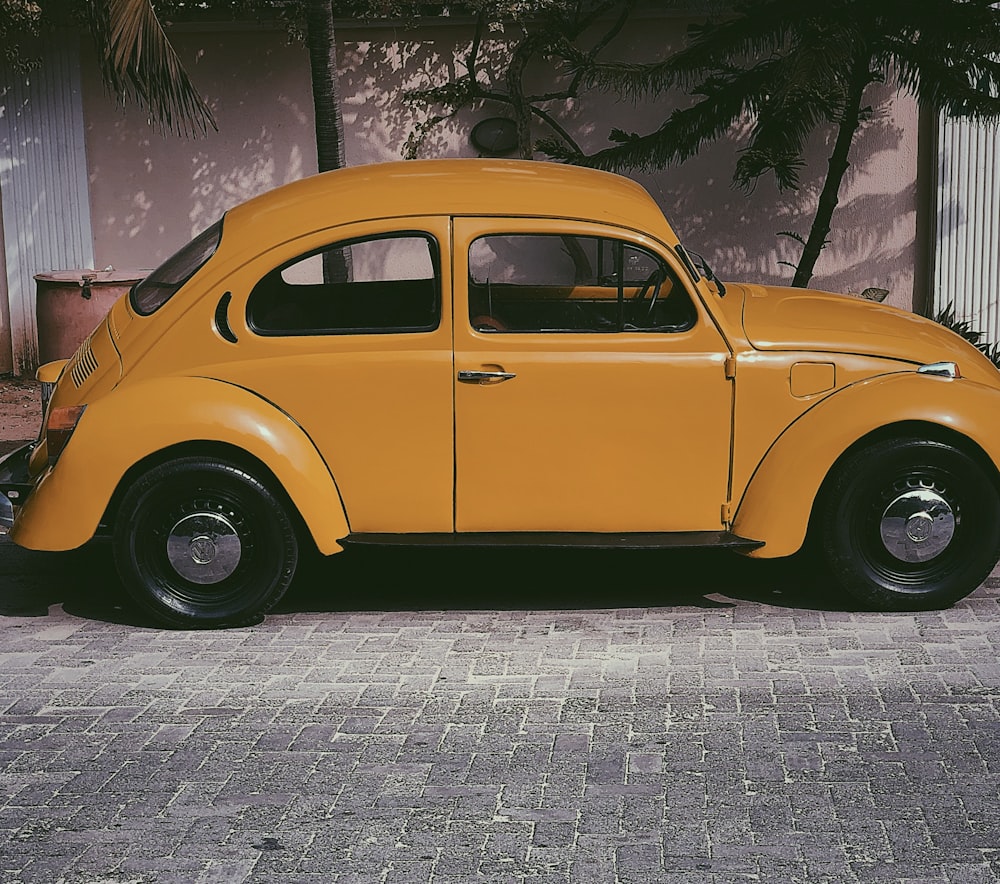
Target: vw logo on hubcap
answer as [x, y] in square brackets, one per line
[204, 548]
[917, 526]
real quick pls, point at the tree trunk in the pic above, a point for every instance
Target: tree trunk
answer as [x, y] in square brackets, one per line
[520, 106]
[321, 42]
[838, 166]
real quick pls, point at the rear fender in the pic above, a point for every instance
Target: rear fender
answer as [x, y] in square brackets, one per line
[137, 421]
[778, 501]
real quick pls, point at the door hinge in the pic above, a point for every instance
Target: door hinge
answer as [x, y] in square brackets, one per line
[730, 367]
[727, 514]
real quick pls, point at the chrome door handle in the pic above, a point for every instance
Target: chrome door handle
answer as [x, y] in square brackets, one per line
[486, 377]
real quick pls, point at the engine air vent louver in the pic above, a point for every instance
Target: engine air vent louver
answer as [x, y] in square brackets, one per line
[83, 364]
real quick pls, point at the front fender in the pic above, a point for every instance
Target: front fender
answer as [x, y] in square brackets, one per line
[138, 420]
[779, 498]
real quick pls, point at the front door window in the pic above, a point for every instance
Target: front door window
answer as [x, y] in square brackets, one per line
[570, 283]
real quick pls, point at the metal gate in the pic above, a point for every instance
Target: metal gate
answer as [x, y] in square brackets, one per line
[967, 238]
[43, 182]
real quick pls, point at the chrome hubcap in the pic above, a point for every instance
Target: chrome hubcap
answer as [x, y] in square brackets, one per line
[918, 525]
[204, 548]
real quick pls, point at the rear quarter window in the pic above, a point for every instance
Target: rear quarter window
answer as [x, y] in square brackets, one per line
[162, 284]
[375, 285]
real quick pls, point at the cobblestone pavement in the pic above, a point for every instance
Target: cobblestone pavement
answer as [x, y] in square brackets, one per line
[519, 716]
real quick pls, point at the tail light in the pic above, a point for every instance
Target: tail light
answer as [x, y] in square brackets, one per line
[59, 427]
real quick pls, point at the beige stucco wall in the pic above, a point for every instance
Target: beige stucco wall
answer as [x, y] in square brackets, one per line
[151, 192]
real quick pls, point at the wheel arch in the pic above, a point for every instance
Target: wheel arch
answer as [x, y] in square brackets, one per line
[141, 425]
[922, 429]
[779, 501]
[210, 449]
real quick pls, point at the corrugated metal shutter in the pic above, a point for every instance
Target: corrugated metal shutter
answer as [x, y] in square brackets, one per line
[967, 247]
[43, 182]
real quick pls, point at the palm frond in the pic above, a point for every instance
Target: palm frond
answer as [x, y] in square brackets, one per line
[946, 54]
[139, 64]
[755, 162]
[726, 101]
[808, 93]
[760, 28]
[942, 84]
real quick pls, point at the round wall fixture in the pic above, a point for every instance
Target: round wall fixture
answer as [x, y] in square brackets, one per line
[494, 137]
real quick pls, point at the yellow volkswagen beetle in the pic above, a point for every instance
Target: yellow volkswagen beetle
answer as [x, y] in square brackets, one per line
[492, 352]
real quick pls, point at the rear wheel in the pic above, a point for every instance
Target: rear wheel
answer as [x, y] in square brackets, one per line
[201, 543]
[911, 524]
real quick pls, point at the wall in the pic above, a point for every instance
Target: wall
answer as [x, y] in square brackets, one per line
[151, 192]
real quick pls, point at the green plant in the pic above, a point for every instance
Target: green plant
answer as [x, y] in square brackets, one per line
[965, 329]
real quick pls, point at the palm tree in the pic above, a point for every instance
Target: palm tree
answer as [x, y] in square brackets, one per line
[139, 63]
[321, 41]
[790, 67]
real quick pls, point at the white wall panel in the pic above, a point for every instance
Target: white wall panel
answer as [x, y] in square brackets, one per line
[967, 248]
[43, 183]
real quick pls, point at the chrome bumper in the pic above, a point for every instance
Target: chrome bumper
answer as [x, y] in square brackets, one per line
[15, 484]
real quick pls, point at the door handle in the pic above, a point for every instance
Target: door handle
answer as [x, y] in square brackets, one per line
[485, 377]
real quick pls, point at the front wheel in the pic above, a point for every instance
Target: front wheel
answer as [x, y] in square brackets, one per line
[201, 543]
[910, 524]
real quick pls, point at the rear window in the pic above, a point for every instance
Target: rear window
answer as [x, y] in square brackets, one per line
[155, 290]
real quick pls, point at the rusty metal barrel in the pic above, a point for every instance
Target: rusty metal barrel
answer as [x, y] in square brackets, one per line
[70, 304]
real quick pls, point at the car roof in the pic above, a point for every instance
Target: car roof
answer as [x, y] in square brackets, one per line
[454, 187]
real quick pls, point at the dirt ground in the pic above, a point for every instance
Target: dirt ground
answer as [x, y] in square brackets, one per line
[20, 409]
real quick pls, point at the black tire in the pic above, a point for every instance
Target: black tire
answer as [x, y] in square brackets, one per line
[203, 543]
[910, 524]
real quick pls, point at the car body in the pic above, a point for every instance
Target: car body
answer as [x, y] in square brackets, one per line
[495, 352]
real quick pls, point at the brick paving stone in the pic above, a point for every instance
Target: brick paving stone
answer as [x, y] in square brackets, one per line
[588, 728]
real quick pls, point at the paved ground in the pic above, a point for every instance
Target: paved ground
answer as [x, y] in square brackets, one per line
[526, 716]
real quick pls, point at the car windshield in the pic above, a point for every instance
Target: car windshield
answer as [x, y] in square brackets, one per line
[155, 290]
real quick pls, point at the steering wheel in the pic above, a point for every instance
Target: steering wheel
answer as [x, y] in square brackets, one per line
[654, 279]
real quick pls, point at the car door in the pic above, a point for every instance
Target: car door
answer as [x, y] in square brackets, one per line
[348, 331]
[590, 383]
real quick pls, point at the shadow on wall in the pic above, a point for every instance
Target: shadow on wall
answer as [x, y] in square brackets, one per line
[150, 193]
[873, 240]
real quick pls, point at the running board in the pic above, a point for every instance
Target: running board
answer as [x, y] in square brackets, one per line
[562, 540]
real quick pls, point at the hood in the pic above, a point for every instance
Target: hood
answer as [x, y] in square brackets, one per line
[776, 318]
